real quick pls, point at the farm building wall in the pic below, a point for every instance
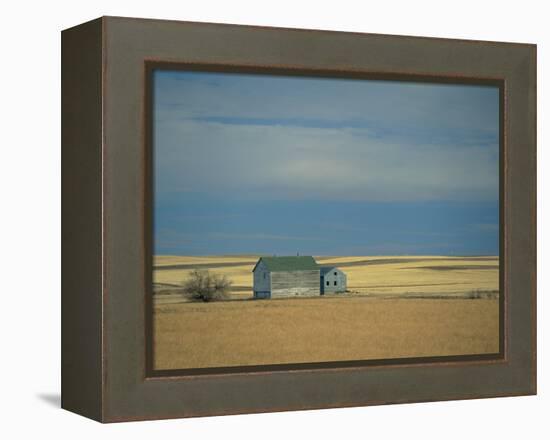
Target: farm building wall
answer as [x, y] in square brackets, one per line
[295, 283]
[262, 281]
[333, 281]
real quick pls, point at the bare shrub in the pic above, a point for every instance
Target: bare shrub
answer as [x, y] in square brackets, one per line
[205, 286]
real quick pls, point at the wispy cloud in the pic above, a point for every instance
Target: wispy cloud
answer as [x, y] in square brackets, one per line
[428, 108]
[305, 162]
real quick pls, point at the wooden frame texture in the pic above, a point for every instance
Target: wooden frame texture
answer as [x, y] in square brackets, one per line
[107, 372]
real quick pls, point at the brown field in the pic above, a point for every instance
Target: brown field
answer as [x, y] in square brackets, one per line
[321, 329]
[406, 306]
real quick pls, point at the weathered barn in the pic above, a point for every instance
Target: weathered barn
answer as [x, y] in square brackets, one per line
[333, 280]
[279, 277]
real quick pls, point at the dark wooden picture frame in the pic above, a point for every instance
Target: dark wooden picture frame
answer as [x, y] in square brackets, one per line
[107, 373]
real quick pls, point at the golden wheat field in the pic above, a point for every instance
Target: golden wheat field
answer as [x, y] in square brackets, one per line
[395, 307]
[299, 330]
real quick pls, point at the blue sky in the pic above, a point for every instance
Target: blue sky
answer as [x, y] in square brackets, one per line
[261, 164]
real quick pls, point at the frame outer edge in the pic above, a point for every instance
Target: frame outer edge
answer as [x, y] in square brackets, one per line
[534, 78]
[81, 186]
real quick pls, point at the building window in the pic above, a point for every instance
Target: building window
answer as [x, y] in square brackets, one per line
[335, 274]
[328, 283]
[265, 275]
[335, 283]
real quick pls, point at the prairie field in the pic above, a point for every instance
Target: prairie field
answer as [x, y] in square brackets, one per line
[369, 275]
[395, 307]
[320, 329]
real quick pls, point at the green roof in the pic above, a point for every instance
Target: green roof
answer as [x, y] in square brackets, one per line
[288, 264]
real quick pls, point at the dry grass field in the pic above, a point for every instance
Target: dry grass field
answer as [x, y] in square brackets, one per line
[321, 329]
[406, 306]
[372, 276]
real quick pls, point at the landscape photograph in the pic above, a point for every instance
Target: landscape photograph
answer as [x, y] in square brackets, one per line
[307, 219]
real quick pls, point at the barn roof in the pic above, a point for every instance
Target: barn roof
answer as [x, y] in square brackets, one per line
[288, 264]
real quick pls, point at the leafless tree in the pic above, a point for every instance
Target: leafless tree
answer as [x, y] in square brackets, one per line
[205, 286]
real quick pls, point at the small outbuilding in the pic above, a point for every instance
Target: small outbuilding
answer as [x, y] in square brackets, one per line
[333, 280]
[280, 277]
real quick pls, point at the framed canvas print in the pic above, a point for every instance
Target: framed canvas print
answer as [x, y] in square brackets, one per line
[263, 219]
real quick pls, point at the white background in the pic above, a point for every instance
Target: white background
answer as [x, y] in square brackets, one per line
[30, 220]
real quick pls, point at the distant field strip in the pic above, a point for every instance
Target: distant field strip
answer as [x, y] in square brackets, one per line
[408, 276]
[462, 267]
[322, 261]
[203, 265]
[402, 261]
